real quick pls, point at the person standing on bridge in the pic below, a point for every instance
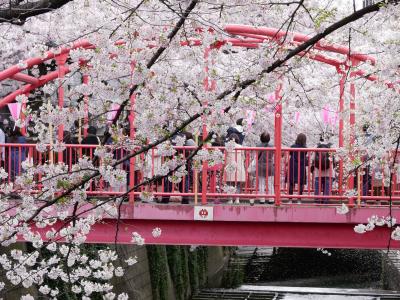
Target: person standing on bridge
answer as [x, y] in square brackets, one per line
[297, 165]
[2, 148]
[238, 129]
[235, 174]
[17, 153]
[90, 139]
[322, 168]
[265, 168]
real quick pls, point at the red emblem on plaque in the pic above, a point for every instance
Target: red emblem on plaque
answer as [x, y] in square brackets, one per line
[203, 213]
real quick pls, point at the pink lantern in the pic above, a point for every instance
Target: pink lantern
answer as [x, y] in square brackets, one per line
[271, 98]
[15, 110]
[112, 113]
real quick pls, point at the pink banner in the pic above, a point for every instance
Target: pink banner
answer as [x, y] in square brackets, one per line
[15, 110]
[296, 117]
[325, 115]
[334, 119]
[250, 117]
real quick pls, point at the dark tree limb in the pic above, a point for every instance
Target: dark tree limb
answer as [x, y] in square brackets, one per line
[18, 13]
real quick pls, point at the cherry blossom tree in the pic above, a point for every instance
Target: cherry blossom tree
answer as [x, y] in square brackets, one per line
[138, 52]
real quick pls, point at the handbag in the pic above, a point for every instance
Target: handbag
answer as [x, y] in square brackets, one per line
[253, 165]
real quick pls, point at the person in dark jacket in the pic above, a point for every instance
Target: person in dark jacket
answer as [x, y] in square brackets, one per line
[17, 153]
[70, 156]
[297, 165]
[323, 171]
[265, 167]
[238, 129]
[90, 139]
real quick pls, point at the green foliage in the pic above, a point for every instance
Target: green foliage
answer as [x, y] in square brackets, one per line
[202, 255]
[157, 256]
[175, 263]
[184, 252]
[323, 16]
[193, 271]
[234, 274]
[186, 268]
[233, 277]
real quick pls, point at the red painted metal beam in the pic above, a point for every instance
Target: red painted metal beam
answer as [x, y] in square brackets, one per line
[255, 43]
[257, 35]
[29, 87]
[297, 37]
[29, 63]
[249, 214]
[25, 78]
[258, 213]
[304, 235]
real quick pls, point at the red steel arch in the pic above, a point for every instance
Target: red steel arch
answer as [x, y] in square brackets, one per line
[270, 226]
[244, 36]
[251, 38]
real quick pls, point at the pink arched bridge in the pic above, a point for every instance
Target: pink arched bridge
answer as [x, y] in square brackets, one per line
[260, 210]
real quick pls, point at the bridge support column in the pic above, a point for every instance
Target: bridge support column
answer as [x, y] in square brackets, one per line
[85, 80]
[352, 122]
[278, 145]
[204, 130]
[341, 127]
[353, 63]
[132, 136]
[61, 59]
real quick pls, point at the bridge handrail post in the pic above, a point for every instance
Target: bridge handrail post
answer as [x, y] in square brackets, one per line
[132, 136]
[278, 145]
[61, 60]
[341, 127]
[207, 87]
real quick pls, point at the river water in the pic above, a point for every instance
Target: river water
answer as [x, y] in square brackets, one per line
[308, 293]
[305, 274]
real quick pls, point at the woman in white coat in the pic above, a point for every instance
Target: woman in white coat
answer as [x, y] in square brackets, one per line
[235, 172]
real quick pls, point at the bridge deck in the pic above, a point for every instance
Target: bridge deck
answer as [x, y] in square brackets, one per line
[294, 219]
[259, 225]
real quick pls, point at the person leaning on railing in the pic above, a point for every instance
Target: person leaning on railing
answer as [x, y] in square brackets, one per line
[297, 165]
[381, 179]
[322, 168]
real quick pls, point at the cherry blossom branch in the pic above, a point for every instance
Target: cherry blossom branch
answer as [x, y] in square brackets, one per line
[241, 86]
[390, 191]
[153, 60]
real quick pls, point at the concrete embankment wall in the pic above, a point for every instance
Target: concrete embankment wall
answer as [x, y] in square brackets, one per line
[136, 281]
[161, 272]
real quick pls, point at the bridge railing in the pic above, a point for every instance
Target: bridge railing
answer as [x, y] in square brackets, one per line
[245, 174]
